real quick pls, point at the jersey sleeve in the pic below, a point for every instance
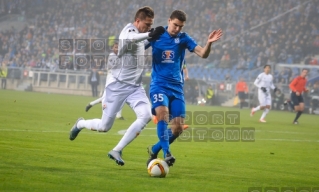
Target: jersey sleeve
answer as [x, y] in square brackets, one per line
[147, 44]
[131, 36]
[258, 80]
[190, 43]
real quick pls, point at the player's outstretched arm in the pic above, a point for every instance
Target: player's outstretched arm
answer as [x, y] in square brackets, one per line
[214, 36]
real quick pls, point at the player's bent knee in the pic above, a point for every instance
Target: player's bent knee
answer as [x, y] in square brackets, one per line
[106, 125]
[144, 113]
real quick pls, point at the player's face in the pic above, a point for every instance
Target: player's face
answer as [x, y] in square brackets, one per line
[115, 48]
[175, 26]
[304, 73]
[144, 25]
[267, 70]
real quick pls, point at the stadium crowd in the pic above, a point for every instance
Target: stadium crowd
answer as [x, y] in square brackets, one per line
[279, 37]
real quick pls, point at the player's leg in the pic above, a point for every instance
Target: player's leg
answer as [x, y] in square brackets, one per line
[241, 98]
[139, 102]
[92, 103]
[299, 108]
[119, 115]
[266, 109]
[261, 99]
[160, 102]
[95, 102]
[112, 103]
[176, 114]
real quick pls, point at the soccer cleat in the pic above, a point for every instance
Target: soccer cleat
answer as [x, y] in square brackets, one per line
[75, 130]
[152, 156]
[121, 118]
[295, 122]
[262, 120]
[170, 159]
[88, 107]
[116, 156]
[252, 112]
[185, 127]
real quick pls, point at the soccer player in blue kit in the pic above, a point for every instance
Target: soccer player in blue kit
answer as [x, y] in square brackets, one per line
[167, 81]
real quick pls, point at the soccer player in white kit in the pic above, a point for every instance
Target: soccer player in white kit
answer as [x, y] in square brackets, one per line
[125, 85]
[111, 62]
[264, 82]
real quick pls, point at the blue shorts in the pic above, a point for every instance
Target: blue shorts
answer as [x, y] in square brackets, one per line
[166, 97]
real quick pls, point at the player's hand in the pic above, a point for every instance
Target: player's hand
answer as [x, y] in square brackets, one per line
[297, 93]
[215, 36]
[156, 33]
[151, 39]
[263, 89]
[186, 78]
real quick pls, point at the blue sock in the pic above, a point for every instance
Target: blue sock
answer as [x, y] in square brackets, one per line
[162, 134]
[157, 147]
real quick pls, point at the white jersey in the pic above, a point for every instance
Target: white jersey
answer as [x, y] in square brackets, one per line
[112, 62]
[131, 56]
[264, 80]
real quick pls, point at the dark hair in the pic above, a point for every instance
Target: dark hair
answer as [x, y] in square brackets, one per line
[178, 14]
[305, 69]
[267, 66]
[115, 43]
[144, 12]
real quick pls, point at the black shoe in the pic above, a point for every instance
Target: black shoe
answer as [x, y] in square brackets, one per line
[152, 156]
[88, 107]
[170, 159]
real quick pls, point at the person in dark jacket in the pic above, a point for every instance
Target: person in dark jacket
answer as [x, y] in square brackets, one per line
[94, 80]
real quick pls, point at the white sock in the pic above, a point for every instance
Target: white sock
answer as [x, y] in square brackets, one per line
[119, 114]
[92, 124]
[131, 133]
[99, 100]
[266, 110]
[256, 109]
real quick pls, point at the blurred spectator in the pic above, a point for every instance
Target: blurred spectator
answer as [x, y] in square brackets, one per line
[256, 30]
[3, 75]
[225, 60]
[209, 95]
[241, 63]
[194, 94]
[94, 79]
[278, 100]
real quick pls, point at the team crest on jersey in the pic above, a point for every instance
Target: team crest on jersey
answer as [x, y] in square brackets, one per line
[168, 54]
[177, 40]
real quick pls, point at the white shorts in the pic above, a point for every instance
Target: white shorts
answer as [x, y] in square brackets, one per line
[264, 98]
[117, 94]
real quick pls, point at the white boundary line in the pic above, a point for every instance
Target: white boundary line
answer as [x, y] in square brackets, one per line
[121, 132]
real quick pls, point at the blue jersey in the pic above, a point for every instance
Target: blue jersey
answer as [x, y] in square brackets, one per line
[168, 56]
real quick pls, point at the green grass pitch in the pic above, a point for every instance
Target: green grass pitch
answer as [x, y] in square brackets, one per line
[36, 154]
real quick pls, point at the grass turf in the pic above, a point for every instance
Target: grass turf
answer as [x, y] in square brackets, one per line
[36, 154]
